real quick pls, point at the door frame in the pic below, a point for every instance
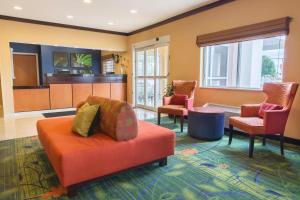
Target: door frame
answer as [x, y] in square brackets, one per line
[154, 77]
[36, 60]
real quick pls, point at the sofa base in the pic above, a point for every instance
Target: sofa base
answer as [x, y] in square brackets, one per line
[73, 189]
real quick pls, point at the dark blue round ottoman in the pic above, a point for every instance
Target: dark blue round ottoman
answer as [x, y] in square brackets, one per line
[206, 123]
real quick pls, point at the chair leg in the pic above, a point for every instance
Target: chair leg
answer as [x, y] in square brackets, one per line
[251, 145]
[158, 118]
[181, 122]
[230, 134]
[281, 144]
[264, 140]
[174, 119]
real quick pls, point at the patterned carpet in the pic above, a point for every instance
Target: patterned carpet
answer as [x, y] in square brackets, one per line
[199, 170]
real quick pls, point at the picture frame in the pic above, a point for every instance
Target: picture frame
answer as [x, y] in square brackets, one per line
[61, 59]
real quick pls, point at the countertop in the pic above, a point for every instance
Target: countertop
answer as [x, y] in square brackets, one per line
[70, 79]
[102, 78]
[30, 87]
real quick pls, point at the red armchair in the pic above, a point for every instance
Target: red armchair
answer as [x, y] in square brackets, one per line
[184, 89]
[272, 122]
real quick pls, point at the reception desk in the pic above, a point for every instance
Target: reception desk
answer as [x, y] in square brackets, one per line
[66, 91]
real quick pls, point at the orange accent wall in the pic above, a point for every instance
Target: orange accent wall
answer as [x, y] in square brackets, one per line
[185, 55]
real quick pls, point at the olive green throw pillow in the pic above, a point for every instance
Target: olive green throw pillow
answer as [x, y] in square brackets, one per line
[86, 120]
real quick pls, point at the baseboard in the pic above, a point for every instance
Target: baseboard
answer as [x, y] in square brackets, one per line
[271, 137]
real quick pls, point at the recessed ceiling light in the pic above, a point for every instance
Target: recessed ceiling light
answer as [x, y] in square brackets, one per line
[87, 1]
[133, 11]
[70, 16]
[18, 8]
[110, 23]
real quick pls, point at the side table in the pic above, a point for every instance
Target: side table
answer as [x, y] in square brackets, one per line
[206, 123]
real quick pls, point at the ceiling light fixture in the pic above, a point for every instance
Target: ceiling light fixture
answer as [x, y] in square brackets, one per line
[133, 11]
[18, 8]
[110, 23]
[87, 1]
[70, 16]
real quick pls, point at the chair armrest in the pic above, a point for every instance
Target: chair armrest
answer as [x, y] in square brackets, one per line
[189, 103]
[275, 121]
[167, 100]
[250, 110]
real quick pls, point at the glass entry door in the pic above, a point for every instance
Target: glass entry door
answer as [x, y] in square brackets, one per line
[151, 73]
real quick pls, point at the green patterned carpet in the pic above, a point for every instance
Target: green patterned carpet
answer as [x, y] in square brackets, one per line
[199, 170]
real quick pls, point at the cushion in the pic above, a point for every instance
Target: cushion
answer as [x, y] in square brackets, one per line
[179, 99]
[117, 118]
[84, 121]
[250, 125]
[178, 110]
[267, 106]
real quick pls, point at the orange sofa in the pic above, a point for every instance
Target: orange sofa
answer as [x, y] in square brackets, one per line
[77, 159]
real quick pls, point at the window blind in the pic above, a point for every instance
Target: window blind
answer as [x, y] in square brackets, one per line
[250, 32]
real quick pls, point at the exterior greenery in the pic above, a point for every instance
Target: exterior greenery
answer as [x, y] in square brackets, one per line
[268, 67]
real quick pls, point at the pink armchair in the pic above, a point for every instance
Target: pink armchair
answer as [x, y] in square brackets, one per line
[182, 89]
[272, 122]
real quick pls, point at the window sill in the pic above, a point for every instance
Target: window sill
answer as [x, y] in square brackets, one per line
[234, 89]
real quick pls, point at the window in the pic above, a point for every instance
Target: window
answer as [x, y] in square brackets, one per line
[151, 75]
[246, 64]
[108, 65]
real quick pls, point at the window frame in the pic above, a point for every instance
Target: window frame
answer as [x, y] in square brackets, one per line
[237, 88]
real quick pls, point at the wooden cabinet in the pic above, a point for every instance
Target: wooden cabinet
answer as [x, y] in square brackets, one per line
[31, 99]
[101, 90]
[64, 95]
[118, 91]
[61, 96]
[81, 92]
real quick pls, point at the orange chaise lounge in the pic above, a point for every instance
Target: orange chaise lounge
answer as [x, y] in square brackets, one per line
[117, 147]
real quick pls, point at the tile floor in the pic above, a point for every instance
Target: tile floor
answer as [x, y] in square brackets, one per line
[24, 125]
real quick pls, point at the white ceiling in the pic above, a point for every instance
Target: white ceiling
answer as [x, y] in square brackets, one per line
[100, 12]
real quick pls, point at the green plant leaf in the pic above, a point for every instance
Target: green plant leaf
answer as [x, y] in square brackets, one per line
[174, 173]
[208, 188]
[220, 184]
[8, 192]
[100, 194]
[189, 195]
[167, 196]
[127, 186]
[179, 166]
[243, 173]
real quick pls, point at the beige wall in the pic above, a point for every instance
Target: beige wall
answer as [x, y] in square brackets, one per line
[185, 55]
[39, 34]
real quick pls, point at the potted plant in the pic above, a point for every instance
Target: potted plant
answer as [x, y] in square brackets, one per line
[169, 90]
[121, 61]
